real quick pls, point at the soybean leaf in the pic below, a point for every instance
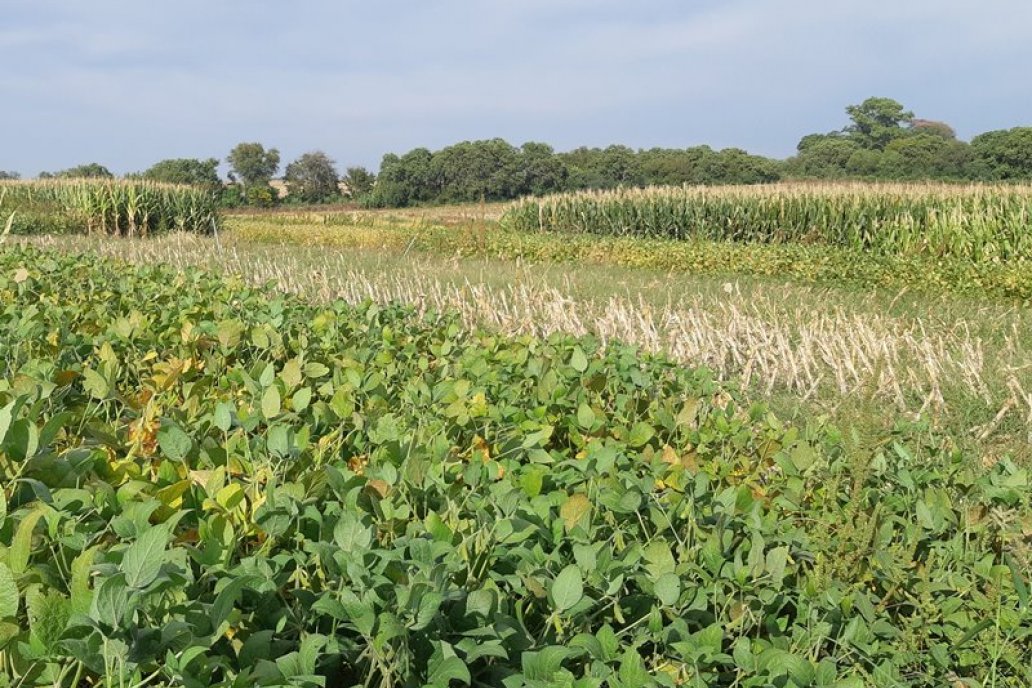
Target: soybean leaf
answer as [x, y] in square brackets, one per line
[429, 603]
[568, 588]
[445, 666]
[6, 415]
[578, 361]
[576, 507]
[225, 600]
[8, 593]
[174, 443]
[23, 439]
[640, 435]
[143, 559]
[21, 544]
[1019, 582]
[222, 417]
[80, 583]
[668, 589]
[777, 558]
[271, 402]
[111, 603]
[542, 665]
[585, 416]
[48, 617]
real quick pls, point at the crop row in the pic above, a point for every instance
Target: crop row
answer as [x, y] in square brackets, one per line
[108, 207]
[206, 484]
[974, 222]
[806, 263]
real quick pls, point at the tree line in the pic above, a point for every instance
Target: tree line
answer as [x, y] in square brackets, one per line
[881, 141]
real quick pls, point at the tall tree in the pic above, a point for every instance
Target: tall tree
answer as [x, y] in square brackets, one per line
[405, 180]
[876, 121]
[359, 181]
[252, 164]
[312, 178]
[541, 171]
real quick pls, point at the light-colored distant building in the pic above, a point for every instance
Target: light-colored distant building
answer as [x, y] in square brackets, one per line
[281, 187]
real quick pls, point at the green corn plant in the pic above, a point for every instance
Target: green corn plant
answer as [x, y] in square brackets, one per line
[980, 222]
[117, 208]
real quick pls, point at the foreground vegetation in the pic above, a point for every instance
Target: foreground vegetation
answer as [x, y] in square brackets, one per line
[208, 486]
[965, 364]
[106, 207]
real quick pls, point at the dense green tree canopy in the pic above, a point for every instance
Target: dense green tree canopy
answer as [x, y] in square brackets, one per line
[885, 141]
[359, 181]
[541, 170]
[185, 171]
[1007, 154]
[881, 140]
[312, 178]
[91, 170]
[877, 121]
[252, 164]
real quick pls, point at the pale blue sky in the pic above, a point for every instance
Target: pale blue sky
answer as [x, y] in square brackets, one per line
[127, 83]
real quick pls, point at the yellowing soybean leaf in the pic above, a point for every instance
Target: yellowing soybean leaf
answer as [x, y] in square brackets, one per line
[576, 507]
[585, 416]
[8, 593]
[230, 496]
[21, 544]
[291, 373]
[172, 495]
[64, 378]
[80, 584]
[95, 384]
[686, 416]
[271, 403]
[6, 414]
[229, 333]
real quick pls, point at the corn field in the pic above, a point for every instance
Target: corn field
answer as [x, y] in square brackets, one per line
[127, 208]
[978, 222]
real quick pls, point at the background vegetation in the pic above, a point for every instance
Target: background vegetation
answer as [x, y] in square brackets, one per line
[882, 141]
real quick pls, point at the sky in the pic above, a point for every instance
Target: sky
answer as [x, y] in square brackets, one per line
[129, 82]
